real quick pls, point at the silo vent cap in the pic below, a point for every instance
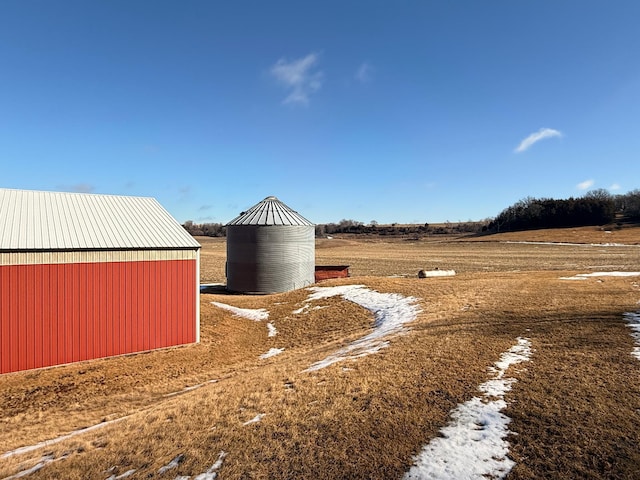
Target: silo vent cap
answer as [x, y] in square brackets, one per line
[270, 211]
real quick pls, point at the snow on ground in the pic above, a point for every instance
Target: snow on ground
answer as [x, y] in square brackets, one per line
[272, 353]
[53, 441]
[210, 474]
[177, 460]
[126, 474]
[257, 314]
[391, 311]
[255, 419]
[585, 276]
[473, 445]
[633, 319]
[272, 330]
[568, 244]
[302, 309]
[45, 460]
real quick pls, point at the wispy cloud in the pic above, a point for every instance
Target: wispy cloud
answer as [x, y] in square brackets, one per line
[615, 187]
[364, 74]
[536, 137]
[78, 188]
[300, 77]
[585, 185]
[205, 207]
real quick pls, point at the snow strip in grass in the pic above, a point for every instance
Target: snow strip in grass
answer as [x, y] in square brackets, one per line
[568, 244]
[255, 419]
[45, 460]
[391, 311]
[126, 474]
[272, 330]
[177, 460]
[584, 276]
[633, 319]
[53, 441]
[473, 445]
[257, 314]
[272, 353]
[210, 474]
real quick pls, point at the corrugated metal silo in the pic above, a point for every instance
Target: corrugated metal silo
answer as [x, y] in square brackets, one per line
[270, 249]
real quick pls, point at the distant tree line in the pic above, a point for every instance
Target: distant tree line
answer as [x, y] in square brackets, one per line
[373, 228]
[205, 229]
[354, 227]
[597, 207]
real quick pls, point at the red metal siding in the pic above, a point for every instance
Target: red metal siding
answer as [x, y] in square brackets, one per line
[325, 272]
[56, 314]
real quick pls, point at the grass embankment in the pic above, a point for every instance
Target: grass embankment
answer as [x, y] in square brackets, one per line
[574, 407]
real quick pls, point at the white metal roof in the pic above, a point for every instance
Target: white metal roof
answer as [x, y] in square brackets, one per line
[33, 220]
[270, 211]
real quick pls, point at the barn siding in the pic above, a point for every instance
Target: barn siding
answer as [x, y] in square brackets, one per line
[52, 314]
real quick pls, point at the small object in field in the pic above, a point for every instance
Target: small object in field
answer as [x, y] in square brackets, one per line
[436, 273]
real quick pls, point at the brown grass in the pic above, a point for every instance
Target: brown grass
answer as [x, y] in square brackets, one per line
[574, 407]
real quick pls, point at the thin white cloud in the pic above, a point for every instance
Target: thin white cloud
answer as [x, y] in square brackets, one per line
[300, 77]
[615, 187]
[364, 73]
[78, 188]
[536, 137]
[585, 185]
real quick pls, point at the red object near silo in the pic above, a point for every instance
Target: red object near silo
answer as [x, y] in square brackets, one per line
[87, 276]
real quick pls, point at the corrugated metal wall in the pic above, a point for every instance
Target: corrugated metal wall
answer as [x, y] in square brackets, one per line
[52, 314]
[270, 258]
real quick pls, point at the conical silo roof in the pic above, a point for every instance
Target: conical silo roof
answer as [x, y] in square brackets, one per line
[270, 211]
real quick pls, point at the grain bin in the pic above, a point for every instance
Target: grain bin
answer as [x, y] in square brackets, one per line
[270, 249]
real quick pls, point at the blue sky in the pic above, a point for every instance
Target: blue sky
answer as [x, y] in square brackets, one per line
[409, 111]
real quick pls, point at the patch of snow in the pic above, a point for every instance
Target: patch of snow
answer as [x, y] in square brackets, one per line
[256, 314]
[633, 320]
[473, 444]
[53, 441]
[568, 244]
[126, 474]
[177, 460]
[255, 419]
[45, 460]
[212, 473]
[302, 309]
[391, 312]
[584, 276]
[272, 330]
[272, 353]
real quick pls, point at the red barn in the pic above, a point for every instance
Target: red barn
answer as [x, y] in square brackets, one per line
[86, 276]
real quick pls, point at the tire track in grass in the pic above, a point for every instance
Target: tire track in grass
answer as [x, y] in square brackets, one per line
[473, 444]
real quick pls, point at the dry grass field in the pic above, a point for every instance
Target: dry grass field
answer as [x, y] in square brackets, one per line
[575, 408]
